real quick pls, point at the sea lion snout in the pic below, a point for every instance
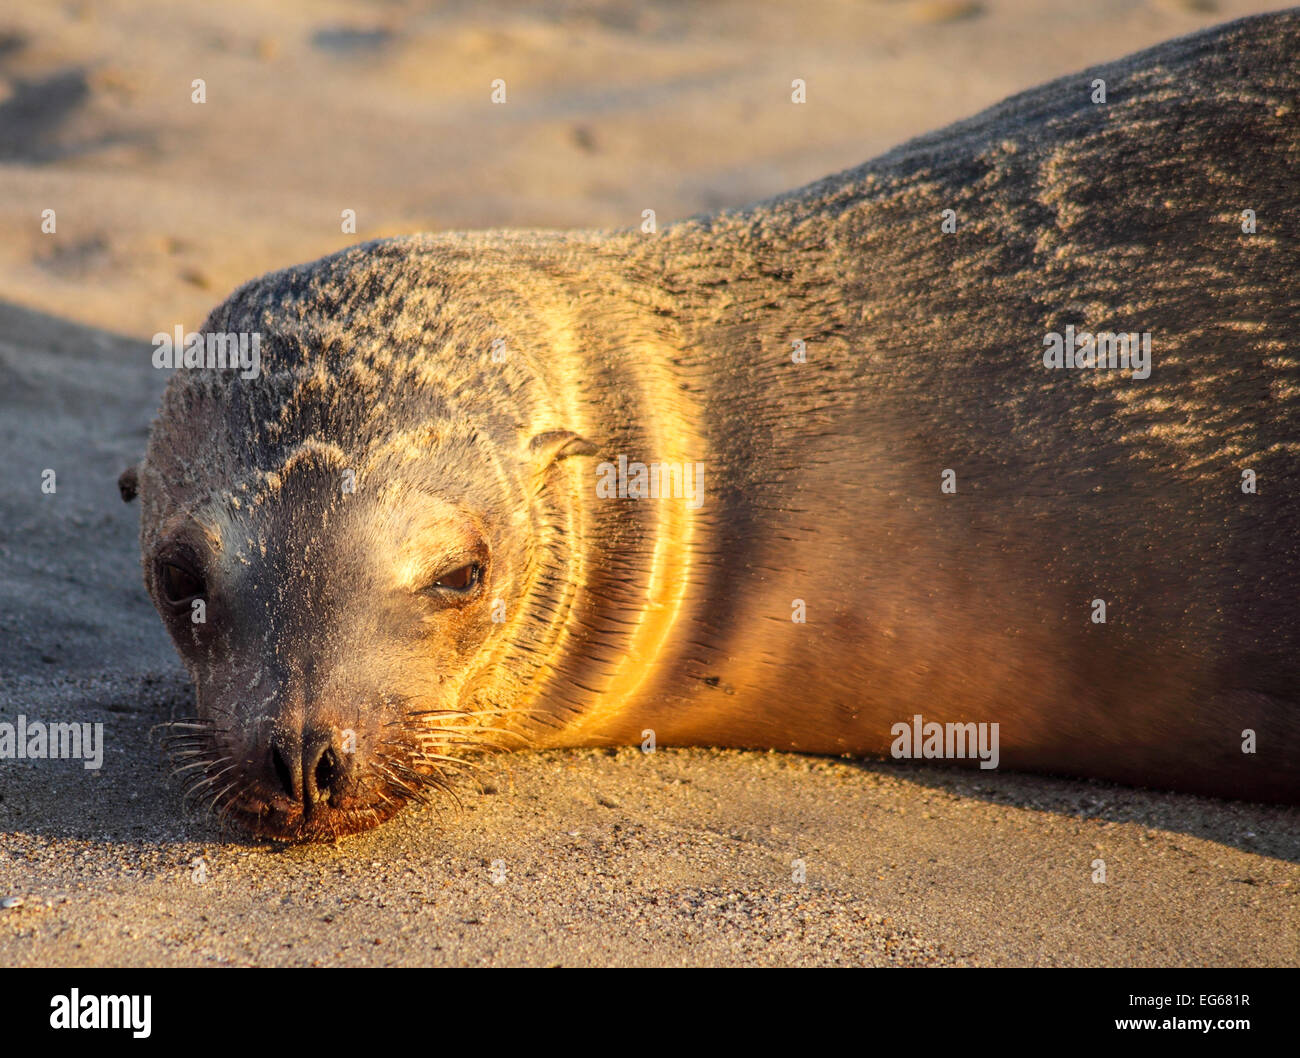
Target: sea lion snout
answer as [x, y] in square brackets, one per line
[312, 769]
[290, 769]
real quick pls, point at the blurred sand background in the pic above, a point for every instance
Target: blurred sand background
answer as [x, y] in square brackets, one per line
[384, 108]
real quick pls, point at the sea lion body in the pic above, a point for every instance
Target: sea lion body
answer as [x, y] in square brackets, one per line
[817, 366]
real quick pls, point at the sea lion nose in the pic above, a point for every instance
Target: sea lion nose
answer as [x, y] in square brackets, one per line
[311, 770]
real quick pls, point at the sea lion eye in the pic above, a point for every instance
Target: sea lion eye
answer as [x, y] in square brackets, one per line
[462, 578]
[178, 583]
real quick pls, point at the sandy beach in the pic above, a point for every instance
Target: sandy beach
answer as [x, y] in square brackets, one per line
[594, 857]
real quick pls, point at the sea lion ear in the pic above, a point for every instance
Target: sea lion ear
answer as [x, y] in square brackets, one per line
[554, 445]
[128, 483]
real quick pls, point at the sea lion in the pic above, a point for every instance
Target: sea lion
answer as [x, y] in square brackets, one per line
[796, 476]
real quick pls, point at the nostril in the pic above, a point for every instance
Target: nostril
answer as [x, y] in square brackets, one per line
[282, 771]
[327, 772]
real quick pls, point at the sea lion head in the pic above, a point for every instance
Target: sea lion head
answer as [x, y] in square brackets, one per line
[360, 551]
